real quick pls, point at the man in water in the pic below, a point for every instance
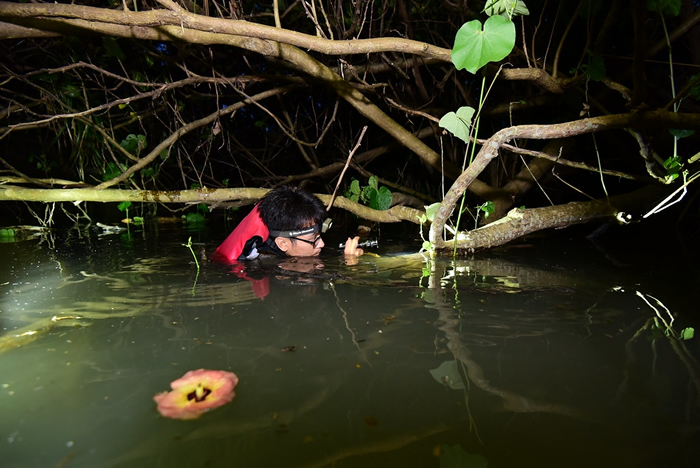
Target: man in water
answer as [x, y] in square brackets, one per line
[287, 222]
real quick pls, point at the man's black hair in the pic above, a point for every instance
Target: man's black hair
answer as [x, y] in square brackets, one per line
[288, 208]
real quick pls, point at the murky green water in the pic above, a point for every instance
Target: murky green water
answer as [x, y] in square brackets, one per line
[526, 358]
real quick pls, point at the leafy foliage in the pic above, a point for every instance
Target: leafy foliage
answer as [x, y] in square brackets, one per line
[134, 144]
[7, 235]
[112, 170]
[687, 333]
[506, 8]
[375, 196]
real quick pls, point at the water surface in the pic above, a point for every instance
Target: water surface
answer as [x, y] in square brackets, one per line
[542, 356]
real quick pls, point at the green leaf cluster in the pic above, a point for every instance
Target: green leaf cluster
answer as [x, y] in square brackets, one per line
[134, 144]
[506, 8]
[487, 208]
[375, 196]
[687, 333]
[7, 235]
[197, 218]
[194, 219]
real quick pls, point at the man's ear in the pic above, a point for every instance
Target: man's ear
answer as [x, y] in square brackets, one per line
[282, 243]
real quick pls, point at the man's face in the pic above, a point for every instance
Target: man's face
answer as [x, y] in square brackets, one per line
[308, 245]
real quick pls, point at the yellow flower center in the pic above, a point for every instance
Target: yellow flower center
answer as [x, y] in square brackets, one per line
[199, 394]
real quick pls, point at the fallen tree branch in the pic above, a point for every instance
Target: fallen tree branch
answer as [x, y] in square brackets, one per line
[518, 222]
[657, 119]
[200, 195]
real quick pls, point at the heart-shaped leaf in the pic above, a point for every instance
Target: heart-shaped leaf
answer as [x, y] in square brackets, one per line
[380, 199]
[458, 123]
[475, 48]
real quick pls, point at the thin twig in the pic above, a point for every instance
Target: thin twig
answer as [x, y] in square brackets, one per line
[347, 163]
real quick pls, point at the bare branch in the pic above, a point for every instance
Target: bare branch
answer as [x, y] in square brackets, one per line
[58, 17]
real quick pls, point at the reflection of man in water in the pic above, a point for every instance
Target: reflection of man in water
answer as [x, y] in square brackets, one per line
[287, 222]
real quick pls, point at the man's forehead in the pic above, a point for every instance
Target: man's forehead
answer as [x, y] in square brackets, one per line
[316, 228]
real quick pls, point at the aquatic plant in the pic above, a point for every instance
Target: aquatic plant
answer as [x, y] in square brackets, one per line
[197, 392]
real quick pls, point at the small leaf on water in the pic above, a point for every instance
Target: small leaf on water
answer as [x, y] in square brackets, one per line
[687, 333]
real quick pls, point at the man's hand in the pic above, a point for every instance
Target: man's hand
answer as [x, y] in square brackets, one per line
[351, 251]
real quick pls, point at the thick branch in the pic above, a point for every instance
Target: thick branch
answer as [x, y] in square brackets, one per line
[538, 76]
[54, 17]
[202, 195]
[490, 149]
[519, 222]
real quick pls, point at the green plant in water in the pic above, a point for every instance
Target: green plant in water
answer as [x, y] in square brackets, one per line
[664, 319]
[375, 196]
[475, 46]
[7, 235]
[427, 246]
[197, 218]
[124, 207]
[189, 246]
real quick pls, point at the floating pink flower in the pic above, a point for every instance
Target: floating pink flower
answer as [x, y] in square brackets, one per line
[197, 392]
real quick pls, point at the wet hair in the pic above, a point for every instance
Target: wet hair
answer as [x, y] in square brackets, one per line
[288, 208]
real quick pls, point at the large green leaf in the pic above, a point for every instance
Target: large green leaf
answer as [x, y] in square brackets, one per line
[458, 123]
[380, 199]
[475, 48]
